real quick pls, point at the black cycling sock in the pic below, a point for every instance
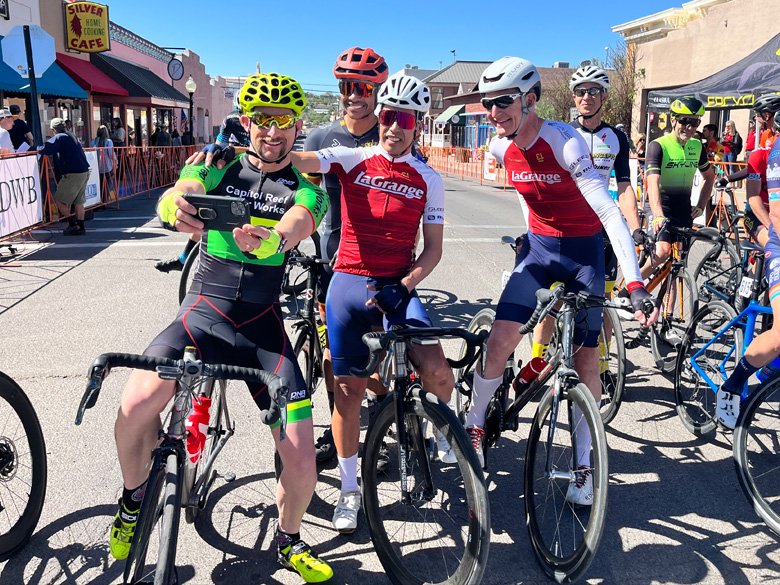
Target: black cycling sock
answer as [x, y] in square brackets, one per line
[736, 381]
[285, 539]
[330, 401]
[189, 246]
[131, 499]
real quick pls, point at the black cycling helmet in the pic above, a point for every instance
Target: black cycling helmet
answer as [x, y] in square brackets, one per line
[777, 121]
[687, 105]
[769, 102]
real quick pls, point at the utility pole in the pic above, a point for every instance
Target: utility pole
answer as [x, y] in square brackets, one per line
[453, 55]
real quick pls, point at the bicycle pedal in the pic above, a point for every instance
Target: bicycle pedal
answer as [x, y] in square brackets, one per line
[229, 476]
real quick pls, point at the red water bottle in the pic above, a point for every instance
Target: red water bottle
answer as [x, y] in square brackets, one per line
[197, 425]
[527, 374]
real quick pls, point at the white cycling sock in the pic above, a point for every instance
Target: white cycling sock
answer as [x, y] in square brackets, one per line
[582, 434]
[348, 473]
[480, 398]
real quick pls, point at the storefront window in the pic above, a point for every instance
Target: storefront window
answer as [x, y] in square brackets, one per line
[74, 112]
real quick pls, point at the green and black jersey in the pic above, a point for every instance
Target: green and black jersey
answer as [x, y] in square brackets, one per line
[677, 165]
[225, 271]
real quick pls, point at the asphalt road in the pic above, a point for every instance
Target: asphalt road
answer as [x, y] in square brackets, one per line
[676, 512]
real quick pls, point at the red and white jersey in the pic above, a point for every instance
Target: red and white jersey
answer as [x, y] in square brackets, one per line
[382, 201]
[756, 168]
[563, 190]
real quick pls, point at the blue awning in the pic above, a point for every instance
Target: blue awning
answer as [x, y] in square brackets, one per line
[54, 82]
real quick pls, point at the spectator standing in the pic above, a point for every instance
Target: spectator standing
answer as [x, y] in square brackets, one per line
[106, 159]
[750, 141]
[709, 133]
[74, 169]
[20, 132]
[163, 137]
[6, 123]
[118, 133]
[732, 146]
[175, 138]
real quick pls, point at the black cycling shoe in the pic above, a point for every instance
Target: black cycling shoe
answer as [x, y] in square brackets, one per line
[324, 447]
[174, 264]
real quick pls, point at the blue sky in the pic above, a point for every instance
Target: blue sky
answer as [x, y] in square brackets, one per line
[303, 38]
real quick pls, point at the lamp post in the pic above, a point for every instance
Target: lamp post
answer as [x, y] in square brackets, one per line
[191, 86]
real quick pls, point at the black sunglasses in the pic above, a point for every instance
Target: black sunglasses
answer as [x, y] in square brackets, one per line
[692, 122]
[593, 91]
[502, 101]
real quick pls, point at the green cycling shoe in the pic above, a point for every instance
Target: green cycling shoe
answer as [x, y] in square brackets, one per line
[122, 531]
[299, 557]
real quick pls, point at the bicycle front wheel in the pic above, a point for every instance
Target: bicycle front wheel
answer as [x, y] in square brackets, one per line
[612, 365]
[678, 301]
[441, 534]
[22, 468]
[719, 272]
[158, 526]
[197, 477]
[695, 398]
[756, 455]
[565, 536]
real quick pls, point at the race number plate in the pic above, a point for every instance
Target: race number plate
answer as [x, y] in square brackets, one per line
[746, 287]
[505, 278]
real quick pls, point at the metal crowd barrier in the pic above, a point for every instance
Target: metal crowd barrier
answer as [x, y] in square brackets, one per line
[28, 182]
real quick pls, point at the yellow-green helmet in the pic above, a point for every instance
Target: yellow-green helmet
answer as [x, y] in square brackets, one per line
[271, 90]
[687, 105]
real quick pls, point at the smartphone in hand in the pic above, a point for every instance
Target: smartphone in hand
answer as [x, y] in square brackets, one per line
[217, 212]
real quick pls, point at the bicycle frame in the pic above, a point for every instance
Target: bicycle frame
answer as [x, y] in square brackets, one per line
[747, 320]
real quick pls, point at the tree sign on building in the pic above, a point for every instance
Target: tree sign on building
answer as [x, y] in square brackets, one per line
[86, 27]
[15, 54]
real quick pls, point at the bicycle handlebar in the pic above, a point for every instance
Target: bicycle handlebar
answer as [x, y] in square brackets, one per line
[174, 369]
[380, 341]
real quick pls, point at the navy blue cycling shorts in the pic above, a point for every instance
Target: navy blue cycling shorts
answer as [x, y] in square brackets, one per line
[349, 318]
[241, 334]
[576, 262]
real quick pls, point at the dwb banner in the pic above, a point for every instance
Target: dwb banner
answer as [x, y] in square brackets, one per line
[21, 200]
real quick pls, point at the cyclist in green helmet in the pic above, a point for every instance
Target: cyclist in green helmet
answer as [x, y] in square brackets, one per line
[671, 164]
[231, 313]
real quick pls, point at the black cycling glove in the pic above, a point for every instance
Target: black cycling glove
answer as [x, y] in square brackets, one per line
[641, 300]
[391, 297]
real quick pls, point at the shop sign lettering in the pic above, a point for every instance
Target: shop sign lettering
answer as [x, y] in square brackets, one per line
[86, 26]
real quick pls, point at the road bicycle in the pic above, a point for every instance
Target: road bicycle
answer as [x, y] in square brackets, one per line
[757, 452]
[429, 520]
[564, 536]
[292, 283]
[175, 480]
[23, 468]
[612, 348]
[713, 345]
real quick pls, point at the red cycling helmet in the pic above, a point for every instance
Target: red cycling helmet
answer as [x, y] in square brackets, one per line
[362, 65]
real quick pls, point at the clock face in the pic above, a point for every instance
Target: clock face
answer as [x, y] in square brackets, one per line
[175, 69]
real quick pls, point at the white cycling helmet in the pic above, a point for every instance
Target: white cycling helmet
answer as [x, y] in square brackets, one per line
[510, 73]
[590, 74]
[404, 92]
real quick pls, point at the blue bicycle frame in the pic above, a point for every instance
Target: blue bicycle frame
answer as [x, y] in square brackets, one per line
[746, 320]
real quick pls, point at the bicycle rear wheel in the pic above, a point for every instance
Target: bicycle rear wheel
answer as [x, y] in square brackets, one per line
[678, 302]
[719, 271]
[464, 377]
[188, 271]
[565, 536]
[442, 535]
[756, 455]
[22, 468]
[158, 526]
[695, 398]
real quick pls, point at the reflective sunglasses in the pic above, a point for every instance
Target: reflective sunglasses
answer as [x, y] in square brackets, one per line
[692, 122]
[282, 121]
[502, 101]
[361, 88]
[406, 120]
[592, 91]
